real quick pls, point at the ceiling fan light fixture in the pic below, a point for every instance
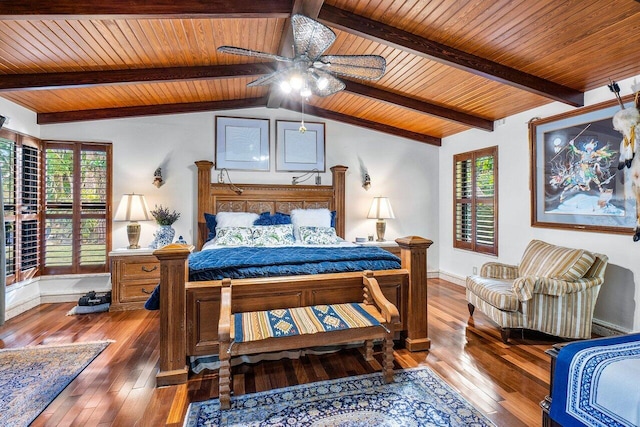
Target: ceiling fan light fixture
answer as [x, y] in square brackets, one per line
[296, 82]
[305, 92]
[285, 86]
[322, 83]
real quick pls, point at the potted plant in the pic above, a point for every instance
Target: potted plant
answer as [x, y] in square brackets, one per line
[165, 233]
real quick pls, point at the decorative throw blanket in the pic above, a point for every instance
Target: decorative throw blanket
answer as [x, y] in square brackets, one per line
[249, 262]
[596, 383]
[260, 325]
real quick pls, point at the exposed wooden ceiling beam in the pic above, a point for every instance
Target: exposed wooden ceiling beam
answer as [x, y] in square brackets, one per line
[309, 8]
[147, 110]
[419, 106]
[90, 9]
[400, 39]
[13, 82]
[371, 125]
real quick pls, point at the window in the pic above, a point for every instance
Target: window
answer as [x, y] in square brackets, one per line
[19, 164]
[476, 200]
[77, 194]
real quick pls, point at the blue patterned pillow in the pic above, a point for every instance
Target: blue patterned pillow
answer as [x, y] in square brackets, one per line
[273, 235]
[277, 218]
[234, 236]
[318, 235]
[210, 219]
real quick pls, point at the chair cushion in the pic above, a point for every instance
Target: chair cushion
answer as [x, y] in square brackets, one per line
[496, 292]
[555, 262]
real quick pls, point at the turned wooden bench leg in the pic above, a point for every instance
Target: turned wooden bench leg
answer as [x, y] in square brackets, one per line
[471, 308]
[387, 363]
[224, 383]
[505, 333]
[368, 350]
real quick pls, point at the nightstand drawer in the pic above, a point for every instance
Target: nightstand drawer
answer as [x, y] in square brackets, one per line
[134, 275]
[135, 292]
[140, 270]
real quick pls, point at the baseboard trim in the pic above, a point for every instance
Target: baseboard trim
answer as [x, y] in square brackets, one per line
[606, 329]
[453, 278]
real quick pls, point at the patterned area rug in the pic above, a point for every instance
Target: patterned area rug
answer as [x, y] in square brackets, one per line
[417, 397]
[31, 377]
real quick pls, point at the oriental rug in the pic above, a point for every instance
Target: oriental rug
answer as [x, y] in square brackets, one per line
[32, 377]
[417, 397]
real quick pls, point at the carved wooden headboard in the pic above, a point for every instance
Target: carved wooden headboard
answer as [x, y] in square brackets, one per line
[258, 198]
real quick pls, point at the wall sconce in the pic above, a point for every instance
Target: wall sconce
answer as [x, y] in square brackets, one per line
[232, 186]
[133, 208]
[381, 209]
[306, 176]
[157, 178]
[366, 182]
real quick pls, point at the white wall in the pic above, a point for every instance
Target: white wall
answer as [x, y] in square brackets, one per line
[404, 170]
[618, 301]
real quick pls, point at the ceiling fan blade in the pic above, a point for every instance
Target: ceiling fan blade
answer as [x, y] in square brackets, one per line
[310, 37]
[369, 67]
[333, 84]
[255, 53]
[269, 78]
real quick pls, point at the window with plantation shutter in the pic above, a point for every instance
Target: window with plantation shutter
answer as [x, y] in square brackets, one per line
[76, 212]
[20, 166]
[476, 201]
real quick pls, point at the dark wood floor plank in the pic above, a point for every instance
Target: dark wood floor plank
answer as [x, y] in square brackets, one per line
[506, 381]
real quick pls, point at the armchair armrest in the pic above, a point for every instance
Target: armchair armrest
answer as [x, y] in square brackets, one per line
[525, 287]
[496, 270]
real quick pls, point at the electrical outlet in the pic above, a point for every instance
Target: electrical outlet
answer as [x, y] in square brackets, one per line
[475, 270]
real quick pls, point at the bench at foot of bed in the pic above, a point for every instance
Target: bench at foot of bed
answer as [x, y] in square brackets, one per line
[301, 327]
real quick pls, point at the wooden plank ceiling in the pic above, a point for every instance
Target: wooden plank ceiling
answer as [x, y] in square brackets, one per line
[451, 65]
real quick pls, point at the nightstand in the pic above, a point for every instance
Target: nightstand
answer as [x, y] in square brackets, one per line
[387, 245]
[134, 275]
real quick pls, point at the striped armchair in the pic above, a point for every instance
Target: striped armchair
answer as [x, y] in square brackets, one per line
[553, 290]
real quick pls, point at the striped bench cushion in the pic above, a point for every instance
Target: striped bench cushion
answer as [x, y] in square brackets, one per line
[260, 325]
[556, 262]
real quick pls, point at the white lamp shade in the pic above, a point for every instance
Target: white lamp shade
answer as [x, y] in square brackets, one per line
[381, 208]
[133, 207]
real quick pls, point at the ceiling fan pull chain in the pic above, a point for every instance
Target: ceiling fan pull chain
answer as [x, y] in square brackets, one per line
[302, 128]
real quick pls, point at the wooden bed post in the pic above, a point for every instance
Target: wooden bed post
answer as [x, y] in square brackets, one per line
[173, 337]
[413, 253]
[204, 183]
[339, 173]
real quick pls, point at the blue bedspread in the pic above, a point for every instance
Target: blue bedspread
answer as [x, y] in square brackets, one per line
[249, 262]
[596, 384]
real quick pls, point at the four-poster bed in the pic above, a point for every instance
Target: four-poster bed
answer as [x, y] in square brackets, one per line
[189, 311]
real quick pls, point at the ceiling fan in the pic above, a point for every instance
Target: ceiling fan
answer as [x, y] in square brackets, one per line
[309, 71]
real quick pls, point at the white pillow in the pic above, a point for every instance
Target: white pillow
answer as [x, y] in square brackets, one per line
[235, 219]
[309, 218]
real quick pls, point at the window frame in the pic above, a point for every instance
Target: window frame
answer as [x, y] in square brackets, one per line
[474, 200]
[75, 267]
[17, 218]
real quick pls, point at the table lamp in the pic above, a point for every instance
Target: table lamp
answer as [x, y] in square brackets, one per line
[133, 208]
[381, 209]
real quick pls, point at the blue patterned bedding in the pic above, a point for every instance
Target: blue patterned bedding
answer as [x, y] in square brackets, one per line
[596, 383]
[250, 262]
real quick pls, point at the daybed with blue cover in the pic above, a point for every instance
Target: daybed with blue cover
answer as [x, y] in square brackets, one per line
[595, 382]
[190, 284]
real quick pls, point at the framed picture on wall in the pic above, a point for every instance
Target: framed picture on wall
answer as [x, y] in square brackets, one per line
[575, 181]
[299, 151]
[242, 143]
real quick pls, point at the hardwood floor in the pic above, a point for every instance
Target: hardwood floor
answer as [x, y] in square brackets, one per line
[506, 382]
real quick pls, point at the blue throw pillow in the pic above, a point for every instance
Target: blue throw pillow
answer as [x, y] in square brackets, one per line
[277, 218]
[210, 219]
[333, 218]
